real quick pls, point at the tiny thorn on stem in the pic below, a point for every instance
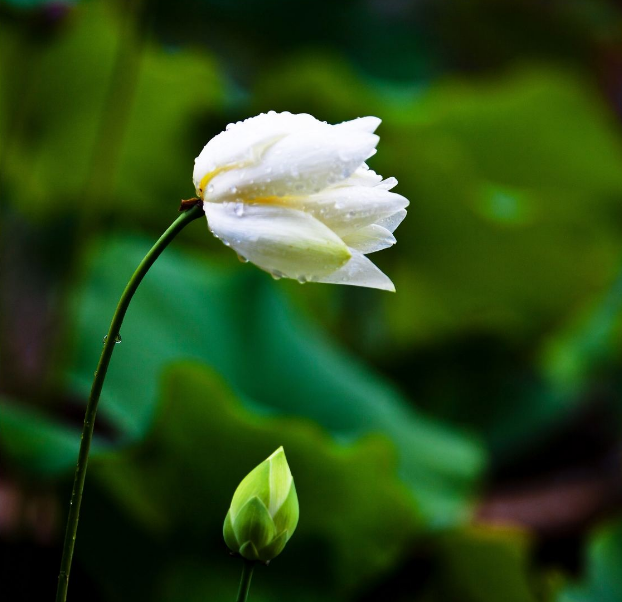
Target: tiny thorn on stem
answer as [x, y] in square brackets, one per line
[189, 203]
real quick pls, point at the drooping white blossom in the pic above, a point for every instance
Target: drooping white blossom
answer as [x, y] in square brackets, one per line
[295, 196]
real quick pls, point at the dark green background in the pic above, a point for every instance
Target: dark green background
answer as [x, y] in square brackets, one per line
[458, 441]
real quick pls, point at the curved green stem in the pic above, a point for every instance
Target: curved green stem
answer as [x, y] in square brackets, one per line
[91, 407]
[245, 582]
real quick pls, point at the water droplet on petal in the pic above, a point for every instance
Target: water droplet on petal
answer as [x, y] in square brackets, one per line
[233, 190]
[239, 209]
[302, 279]
[242, 258]
[276, 275]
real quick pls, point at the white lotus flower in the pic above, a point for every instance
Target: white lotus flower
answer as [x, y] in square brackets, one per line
[294, 196]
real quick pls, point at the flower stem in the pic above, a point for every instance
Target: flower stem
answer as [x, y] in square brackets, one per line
[245, 581]
[91, 407]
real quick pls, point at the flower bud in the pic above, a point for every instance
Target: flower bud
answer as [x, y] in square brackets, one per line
[264, 511]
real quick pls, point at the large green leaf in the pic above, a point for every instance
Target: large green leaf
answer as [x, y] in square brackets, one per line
[277, 361]
[354, 508]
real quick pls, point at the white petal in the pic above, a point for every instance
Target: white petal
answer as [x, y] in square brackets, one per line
[246, 140]
[360, 271]
[300, 163]
[363, 176]
[392, 221]
[345, 209]
[370, 239]
[364, 124]
[387, 184]
[282, 241]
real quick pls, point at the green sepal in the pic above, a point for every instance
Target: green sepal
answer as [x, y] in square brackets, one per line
[286, 519]
[280, 480]
[249, 551]
[255, 483]
[253, 523]
[273, 549]
[229, 534]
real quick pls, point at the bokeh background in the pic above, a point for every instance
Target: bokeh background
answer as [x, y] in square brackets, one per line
[460, 440]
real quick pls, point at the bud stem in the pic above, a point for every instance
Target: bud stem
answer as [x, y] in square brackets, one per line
[245, 581]
[91, 407]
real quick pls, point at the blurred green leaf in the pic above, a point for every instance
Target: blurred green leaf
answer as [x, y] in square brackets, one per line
[29, 3]
[56, 143]
[7, 45]
[587, 342]
[36, 443]
[238, 322]
[486, 564]
[182, 479]
[512, 220]
[603, 579]
[174, 91]
[116, 127]
[513, 229]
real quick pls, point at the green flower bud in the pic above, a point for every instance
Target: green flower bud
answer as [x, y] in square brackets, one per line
[264, 511]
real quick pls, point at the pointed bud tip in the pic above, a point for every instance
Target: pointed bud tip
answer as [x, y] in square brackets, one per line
[279, 451]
